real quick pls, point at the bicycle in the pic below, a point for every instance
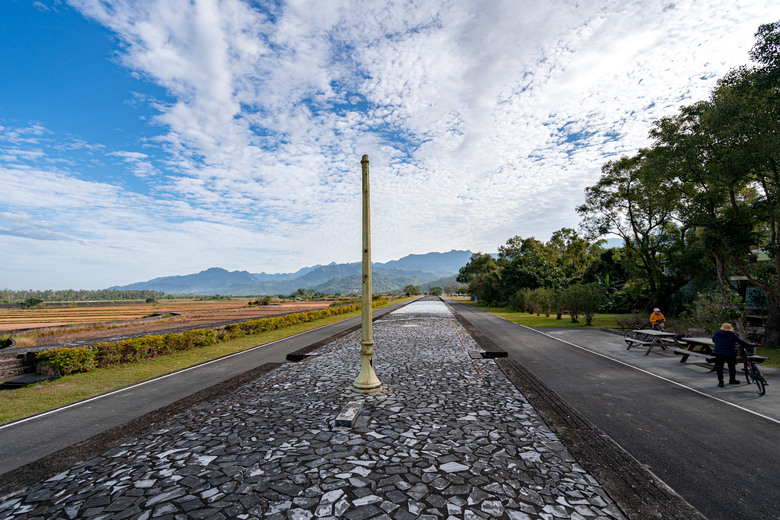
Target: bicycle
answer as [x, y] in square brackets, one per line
[752, 373]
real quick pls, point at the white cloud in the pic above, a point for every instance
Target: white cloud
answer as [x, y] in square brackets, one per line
[482, 119]
[137, 162]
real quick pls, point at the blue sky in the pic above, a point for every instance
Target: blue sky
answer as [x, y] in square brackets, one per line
[146, 138]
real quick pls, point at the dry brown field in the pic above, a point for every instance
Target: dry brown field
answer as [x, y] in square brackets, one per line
[53, 325]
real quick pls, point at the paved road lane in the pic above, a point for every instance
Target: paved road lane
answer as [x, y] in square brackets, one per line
[689, 440]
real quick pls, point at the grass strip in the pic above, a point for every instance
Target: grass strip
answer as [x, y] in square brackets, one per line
[532, 320]
[23, 402]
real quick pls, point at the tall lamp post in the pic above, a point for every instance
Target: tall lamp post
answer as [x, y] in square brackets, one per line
[366, 381]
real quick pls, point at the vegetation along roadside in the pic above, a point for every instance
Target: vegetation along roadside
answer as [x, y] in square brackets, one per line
[609, 321]
[23, 402]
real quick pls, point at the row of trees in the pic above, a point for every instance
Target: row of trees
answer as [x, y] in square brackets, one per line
[541, 277]
[527, 263]
[449, 288]
[699, 208]
[73, 295]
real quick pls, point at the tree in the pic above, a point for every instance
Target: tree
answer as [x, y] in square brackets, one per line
[710, 182]
[632, 200]
[526, 263]
[711, 309]
[520, 301]
[483, 278]
[411, 290]
[452, 287]
[542, 300]
[584, 299]
[437, 291]
[31, 303]
[571, 254]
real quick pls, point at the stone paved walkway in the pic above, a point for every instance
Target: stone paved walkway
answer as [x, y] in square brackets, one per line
[448, 437]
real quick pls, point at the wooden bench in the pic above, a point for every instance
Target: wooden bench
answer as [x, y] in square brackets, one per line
[631, 342]
[710, 358]
[687, 353]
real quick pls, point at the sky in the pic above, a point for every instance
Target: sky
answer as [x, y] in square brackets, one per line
[147, 138]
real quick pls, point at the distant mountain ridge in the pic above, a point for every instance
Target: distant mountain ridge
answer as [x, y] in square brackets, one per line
[332, 278]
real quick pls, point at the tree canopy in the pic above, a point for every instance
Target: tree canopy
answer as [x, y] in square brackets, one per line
[707, 189]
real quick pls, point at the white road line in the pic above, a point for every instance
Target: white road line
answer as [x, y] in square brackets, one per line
[650, 373]
[158, 378]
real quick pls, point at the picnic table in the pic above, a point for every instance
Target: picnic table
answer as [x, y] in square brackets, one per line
[704, 346]
[697, 347]
[650, 338]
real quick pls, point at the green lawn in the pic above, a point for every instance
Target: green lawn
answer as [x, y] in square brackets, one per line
[23, 402]
[772, 353]
[532, 320]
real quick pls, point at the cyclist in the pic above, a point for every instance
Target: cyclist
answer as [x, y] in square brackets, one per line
[725, 351]
[657, 320]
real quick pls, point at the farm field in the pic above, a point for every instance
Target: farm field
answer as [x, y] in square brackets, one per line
[56, 325]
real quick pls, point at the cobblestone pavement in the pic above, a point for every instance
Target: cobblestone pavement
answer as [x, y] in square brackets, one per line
[448, 437]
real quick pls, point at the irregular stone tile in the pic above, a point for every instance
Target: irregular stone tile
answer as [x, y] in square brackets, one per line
[447, 436]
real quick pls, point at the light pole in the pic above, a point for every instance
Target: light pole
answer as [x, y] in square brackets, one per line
[366, 381]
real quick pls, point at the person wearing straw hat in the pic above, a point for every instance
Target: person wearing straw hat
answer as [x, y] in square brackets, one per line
[725, 350]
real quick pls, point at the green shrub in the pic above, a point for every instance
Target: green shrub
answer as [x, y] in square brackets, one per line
[29, 303]
[264, 301]
[584, 299]
[632, 322]
[351, 301]
[541, 300]
[67, 360]
[519, 301]
[710, 310]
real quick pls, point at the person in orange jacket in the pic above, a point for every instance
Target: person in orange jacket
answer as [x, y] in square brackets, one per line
[657, 320]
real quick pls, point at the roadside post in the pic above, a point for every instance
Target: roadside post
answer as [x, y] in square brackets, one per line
[366, 382]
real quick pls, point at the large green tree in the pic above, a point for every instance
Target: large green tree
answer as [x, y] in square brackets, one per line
[483, 278]
[633, 201]
[525, 263]
[572, 254]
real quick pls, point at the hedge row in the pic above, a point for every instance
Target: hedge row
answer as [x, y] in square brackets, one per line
[69, 360]
[83, 359]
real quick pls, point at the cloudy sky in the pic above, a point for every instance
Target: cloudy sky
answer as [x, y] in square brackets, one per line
[145, 138]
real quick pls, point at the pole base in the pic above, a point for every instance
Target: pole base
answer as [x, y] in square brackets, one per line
[373, 390]
[366, 381]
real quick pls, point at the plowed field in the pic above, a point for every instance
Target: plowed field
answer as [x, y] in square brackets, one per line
[57, 325]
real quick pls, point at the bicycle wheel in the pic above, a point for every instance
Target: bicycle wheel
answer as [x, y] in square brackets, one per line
[759, 379]
[748, 371]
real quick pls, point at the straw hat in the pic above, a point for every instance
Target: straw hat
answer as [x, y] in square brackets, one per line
[726, 326]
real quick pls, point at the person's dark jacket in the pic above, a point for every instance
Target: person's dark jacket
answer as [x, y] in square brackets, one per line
[726, 343]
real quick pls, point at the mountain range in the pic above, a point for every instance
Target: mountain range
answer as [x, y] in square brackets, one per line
[430, 269]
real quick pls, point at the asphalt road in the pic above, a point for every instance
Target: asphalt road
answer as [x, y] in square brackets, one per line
[721, 459]
[29, 440]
